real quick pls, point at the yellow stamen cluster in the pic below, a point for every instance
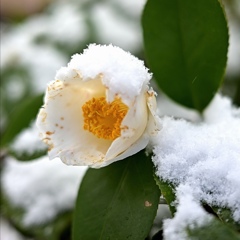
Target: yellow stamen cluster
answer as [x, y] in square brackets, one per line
[104, 119]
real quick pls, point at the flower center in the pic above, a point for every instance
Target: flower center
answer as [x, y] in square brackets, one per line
[104, 119]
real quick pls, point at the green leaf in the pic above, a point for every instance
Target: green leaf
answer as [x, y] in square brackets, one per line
[225, 215]
[117, 202]
[186, 46]
[168, 192]
[21, 117]
[214, 230]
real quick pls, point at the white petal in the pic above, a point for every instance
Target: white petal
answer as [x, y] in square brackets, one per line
[140, 144]
[136, 122]
[61, 122]
[154, 125]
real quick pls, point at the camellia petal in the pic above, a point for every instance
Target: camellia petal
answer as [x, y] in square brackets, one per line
[99, 109]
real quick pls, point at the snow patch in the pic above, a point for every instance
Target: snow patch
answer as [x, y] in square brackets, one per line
[204, 156]
[189, 215]
[42, 188]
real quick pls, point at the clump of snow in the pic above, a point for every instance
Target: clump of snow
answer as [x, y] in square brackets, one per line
[189, 215]
[28, 141]
[42, 188]
[123, 73]
[204, 156]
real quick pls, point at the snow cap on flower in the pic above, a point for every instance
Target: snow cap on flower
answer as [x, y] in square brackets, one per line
[122, 73]
[99, 109]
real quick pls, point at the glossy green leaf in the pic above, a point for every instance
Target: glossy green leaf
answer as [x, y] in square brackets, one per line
[186, 46]
[21, 117]
[117, 202]
[168, 192]
[214, 230]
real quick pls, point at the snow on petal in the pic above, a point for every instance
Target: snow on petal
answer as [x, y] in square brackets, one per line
[123, 74]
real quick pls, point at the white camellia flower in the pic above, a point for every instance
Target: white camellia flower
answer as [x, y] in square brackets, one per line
[99, 109]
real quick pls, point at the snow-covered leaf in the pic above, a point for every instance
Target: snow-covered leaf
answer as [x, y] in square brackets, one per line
[191, 221]
[168, 192]
[225, 215]
[203, 157]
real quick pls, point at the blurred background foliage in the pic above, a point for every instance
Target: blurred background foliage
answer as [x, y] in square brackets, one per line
[38, 37]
